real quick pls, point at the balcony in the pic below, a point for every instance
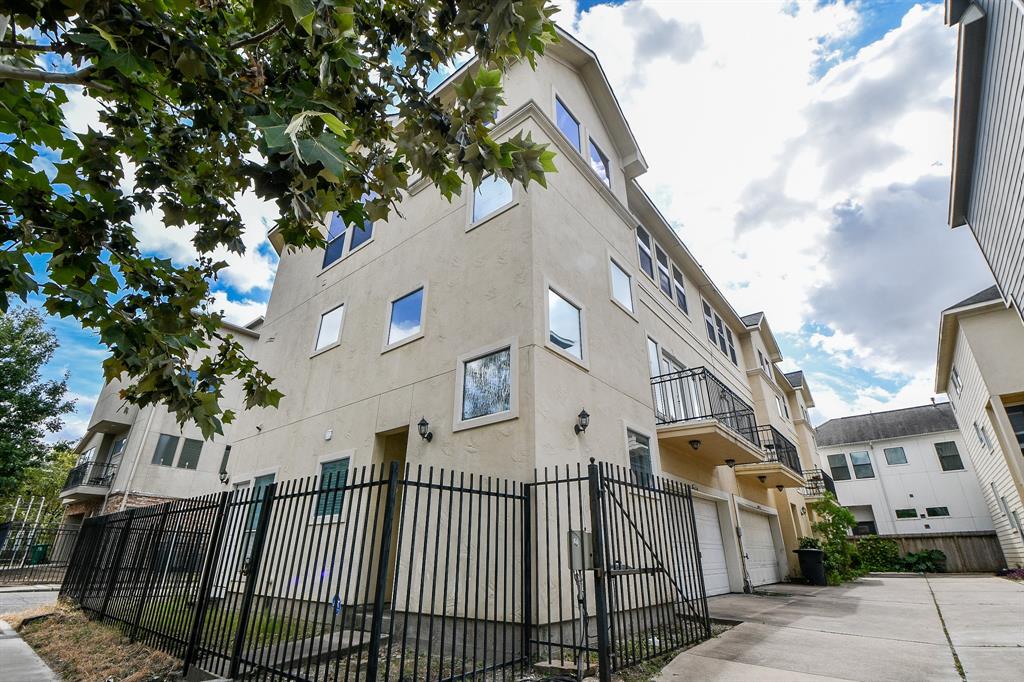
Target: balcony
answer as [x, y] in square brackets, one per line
[781, 463]
[695, 411]
[818, 483]
[88, 478]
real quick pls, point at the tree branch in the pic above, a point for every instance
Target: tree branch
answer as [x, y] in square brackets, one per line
[12, 45]
[258, 37]
[80, 77]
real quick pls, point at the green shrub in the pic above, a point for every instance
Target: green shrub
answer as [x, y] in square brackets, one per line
[879, 554]
[810, 543]
[836, 522]
[925, 561]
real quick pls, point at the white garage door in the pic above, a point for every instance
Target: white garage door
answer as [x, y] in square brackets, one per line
[712, 551]
[762, 564]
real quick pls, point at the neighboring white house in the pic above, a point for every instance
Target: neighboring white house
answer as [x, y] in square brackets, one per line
[904, 471]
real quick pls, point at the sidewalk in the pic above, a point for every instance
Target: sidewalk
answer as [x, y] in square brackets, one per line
[19, 661]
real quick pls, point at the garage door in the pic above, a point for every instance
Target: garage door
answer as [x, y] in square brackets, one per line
[762, 564]
[712, 551]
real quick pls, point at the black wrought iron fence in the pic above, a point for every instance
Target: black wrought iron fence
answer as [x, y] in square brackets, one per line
[818, 483]
[401, 574]
[778, 448]
[99, 474]
[35, 552]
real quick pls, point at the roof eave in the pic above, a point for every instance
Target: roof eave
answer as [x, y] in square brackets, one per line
[970, 58]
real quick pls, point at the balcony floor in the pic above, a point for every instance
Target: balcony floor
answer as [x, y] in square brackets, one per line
[717, 442]
[775, 474]
[83, 492]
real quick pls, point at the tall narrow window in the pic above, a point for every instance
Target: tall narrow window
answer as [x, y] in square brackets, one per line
[653, 357]
[487, 384]
[361, 235]
[565, 330]
[709, 322]
[640, 457]
[1016, 415]
[335, 239]
[861, 462]
[664, 281]
[732, 351]
[982, 435]
[622, 290]
[224, 460]
[331, 486]
[957, 384]
[492, 194]
[166, 446]
[720, 326]
[680, 287]
[190, 451]
[568, 124]
[840, 469]
[329, 332]
[406, 317]
[643, 244]
[599, 162]
[949, 456]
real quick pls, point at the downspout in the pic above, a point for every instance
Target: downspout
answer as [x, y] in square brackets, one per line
[135, 463]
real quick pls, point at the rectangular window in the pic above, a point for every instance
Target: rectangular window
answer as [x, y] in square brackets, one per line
[778, 404]
[937, 511]
[224, 460]
[653, 357]
[568, 124]
[331, 486]
[895, 456]
[709, 322]
[487, 384]
[189, 457]
[949, 456]
[840, 469]
[599, 162]
[861, 462]
[720, 326]
[640, 457]
[664, 281]
[336, 231]
[982, 435]
[760, 358]
[565, 330]
[680, 286]
[643, 245]
[622, 290]
[732, 351]
[906, 513]
[117, 451]
[259, 487]
[361, 235]
[329, 332]
[957, 384]
[1016, 415]
[166, 446]
[406, 317]
[491, 195]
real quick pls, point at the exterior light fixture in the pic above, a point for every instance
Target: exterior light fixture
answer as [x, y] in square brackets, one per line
[582, 422]
[224, 477]
[803, 511]
[694, 443]
[423, 427]
[762, 478]
[780, 488]
[730, 463]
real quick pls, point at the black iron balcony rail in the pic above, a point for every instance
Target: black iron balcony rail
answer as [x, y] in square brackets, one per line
[818, 483]
[778, 448]
[90, 473]
[696, 393]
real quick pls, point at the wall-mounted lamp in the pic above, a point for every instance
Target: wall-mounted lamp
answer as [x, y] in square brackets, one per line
[694, 443]
[780, 488]
[762, 478]
[582, 422]
[730, 463]
[803, 511]
[423, 427]
[225, 477]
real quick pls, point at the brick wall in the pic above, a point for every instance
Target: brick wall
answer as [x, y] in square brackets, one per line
[134, 500]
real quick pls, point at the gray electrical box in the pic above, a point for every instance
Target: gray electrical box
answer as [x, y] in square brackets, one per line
[581, 550]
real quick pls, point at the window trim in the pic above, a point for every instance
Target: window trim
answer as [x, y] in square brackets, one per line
[679, 287]
[853, 467]
[617, 262]
[652, 445]
[592, 146]
[650, 454]
[928, 513]
[460, 424]
[896, 513]
[904, 463]
[181, 453]
[385, 346]
[649, 250]
[335, 456]
[316, 336]
[346, 248]
[178, 439]
[942, 469]
[846, 464]
[583, 362]
[471, 204]
[556, 100]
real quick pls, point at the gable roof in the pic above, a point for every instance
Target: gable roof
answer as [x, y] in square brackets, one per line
[795, 379]
[864, 428]
[990, 294]
[752, 320]
[949, 324]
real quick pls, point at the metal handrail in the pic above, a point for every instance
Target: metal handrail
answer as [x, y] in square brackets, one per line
[696, 393]
[91, 473]
[818, 483]
[778, 448]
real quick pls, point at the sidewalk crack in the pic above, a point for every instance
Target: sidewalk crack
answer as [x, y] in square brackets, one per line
[952, 649]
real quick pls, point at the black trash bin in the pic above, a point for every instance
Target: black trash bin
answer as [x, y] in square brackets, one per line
[812, 565]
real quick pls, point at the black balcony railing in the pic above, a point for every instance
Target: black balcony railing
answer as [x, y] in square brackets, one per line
[696, 393]
[90, 473]
[778, 448]
[818, 483]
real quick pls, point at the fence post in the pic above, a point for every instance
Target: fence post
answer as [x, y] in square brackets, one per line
[115, 570]
[527, 561]
[203, 598]
[72, 573]
[600, 589]
[150, 572]
[259, 540]
[373, 654]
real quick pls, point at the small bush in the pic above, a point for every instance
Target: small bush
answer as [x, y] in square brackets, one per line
[925, 561]
[810, 543]
[879, 554]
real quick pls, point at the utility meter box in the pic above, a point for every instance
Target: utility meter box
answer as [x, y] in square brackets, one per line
[581, 550]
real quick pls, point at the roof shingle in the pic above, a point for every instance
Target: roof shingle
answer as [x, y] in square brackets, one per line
[863, 428]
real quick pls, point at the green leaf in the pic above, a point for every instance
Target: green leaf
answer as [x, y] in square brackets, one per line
[106, 36]
[326, 148]
[334, 123]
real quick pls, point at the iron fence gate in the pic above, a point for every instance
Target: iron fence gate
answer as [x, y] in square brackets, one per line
[384, 573]
[35, 552]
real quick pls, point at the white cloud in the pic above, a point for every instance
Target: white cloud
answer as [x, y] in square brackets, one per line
[239, 312]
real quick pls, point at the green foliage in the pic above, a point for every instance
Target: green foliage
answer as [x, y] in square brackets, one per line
[311, 104]
[43, 480]
[810, 543]
[925, 561]
[833, 528]
[879, 554]
[30, 407]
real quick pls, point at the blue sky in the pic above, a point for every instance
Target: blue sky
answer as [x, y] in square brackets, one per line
[800, 149]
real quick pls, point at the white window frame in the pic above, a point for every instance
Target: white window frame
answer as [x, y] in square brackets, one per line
[652, 444]
[647, 250]
[350, 455]
[591, 147]
[904, 463]
[614, 261]
[678, 287]
[346, 248]
[314, 351]
[385, 346]
[665, 269]
[584, 361]
[709, 322]
[460, 424]
[555, 101]
[471, 202]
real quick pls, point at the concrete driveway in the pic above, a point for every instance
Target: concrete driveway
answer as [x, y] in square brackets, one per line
[877, 628]
[19, 598]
